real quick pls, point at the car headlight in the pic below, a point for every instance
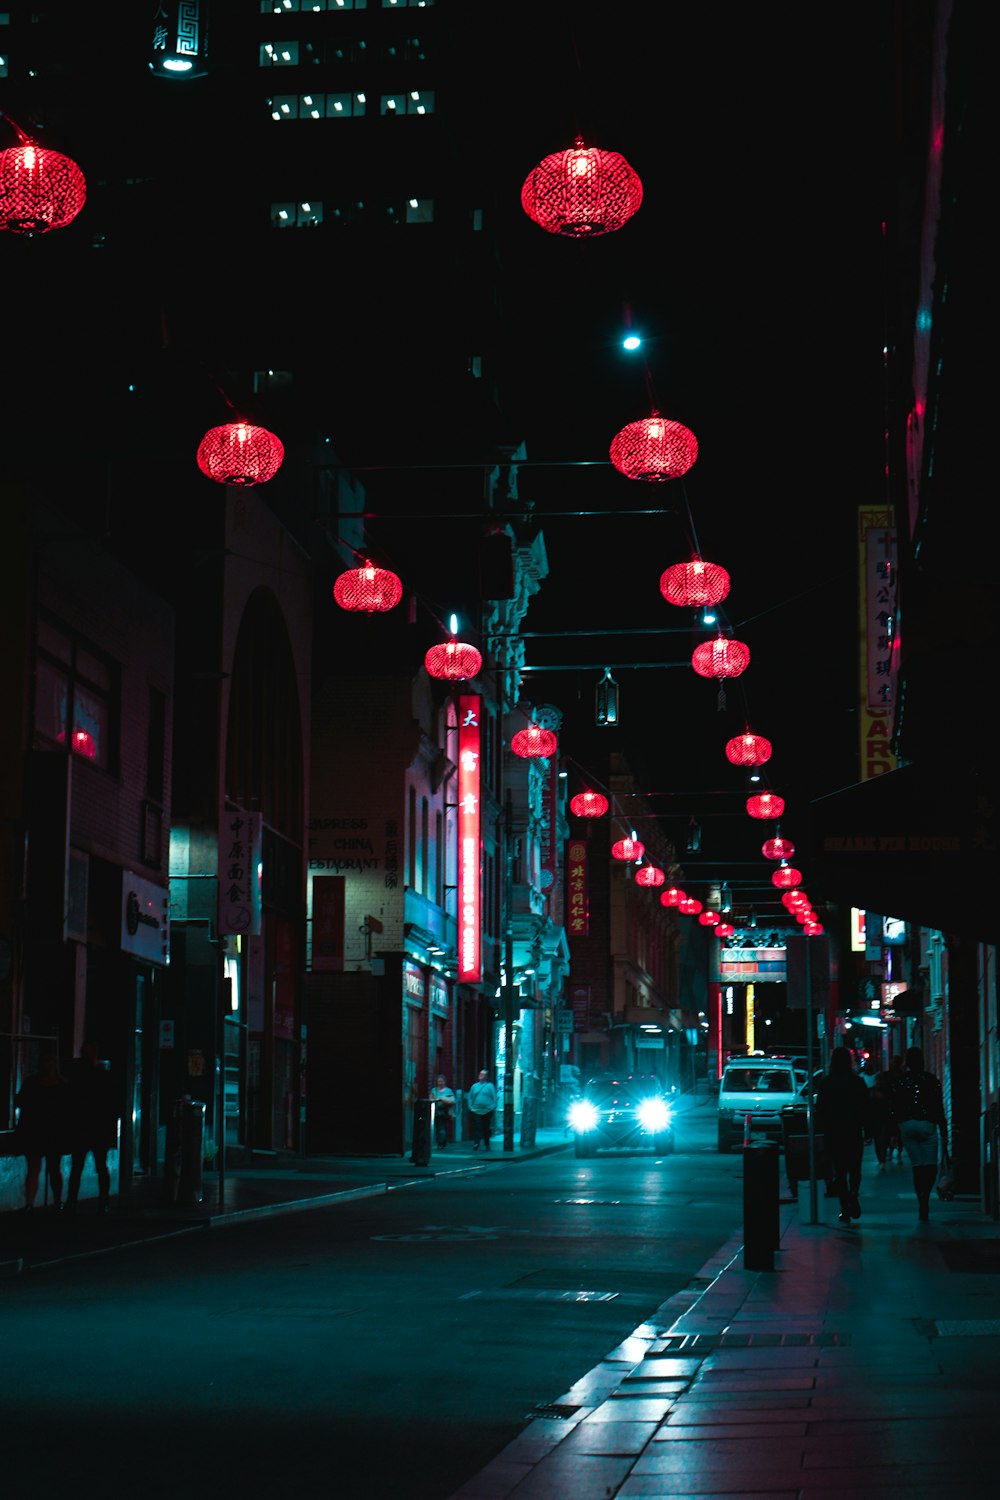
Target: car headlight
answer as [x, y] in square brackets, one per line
[583, 1115]
[654, 1115]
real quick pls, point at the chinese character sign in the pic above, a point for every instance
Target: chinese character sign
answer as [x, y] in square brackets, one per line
[470, 967]
[577, 897]
[240, 872]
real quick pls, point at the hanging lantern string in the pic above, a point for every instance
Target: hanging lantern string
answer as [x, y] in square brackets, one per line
[22, 135]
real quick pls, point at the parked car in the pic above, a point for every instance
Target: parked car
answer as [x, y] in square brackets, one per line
[760, 1087]
[631, 1113]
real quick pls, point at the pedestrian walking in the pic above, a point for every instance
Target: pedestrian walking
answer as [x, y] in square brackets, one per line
[843, 1114]
[444, 1108]
[885, 1134]
[918, 1102]
[93, 1121]
[42, 1132]
[482, 1103]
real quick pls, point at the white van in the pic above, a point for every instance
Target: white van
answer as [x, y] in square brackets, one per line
[760, 1087]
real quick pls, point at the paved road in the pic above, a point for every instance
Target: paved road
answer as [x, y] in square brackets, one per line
[387, 1346]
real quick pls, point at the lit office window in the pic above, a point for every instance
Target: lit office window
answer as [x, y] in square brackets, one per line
[420, 210]
[279, 55]
[307, 214]
[284, 107]
[289, 7]
[75, 694]
[402, 4]
[416, 102]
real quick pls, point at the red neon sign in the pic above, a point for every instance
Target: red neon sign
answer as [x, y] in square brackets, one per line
[470, 965]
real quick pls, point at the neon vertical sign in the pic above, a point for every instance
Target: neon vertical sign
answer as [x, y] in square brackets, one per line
[470, 964]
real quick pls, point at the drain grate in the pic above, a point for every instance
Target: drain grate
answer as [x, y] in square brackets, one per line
[705, 1343]
[562, 1412]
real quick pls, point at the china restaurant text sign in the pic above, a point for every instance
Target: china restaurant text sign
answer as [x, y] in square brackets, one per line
[469, 840]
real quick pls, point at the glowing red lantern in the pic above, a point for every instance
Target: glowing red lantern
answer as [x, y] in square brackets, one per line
[777, 848]
[813, 929]
[786, 877]
[724, 929]
[453, 661]
[694, 583]
[654, 449]
[534, 741]
[748, 750]
[710, 919]
[795, 900]
[804, 914]
[367, 588]
[720, 658]
[628, 849]
[689, 906]
[672, 896]
[240, 453]
[581, 192]
[40, 189]
[588, 805]
[80, 741]
[765, 805]
[649, 875]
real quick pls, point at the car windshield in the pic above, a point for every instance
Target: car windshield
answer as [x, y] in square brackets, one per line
[759, 1080]
[625, 1090]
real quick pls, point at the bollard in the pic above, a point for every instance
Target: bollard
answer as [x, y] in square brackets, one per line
[423, 1126]
[761, 1213]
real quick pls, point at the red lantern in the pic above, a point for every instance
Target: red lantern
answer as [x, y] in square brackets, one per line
[672, 896]
[720, 658]
[581, 192]
[628, 850]
[748, 750]
[786, 877]
[588, 805]
[367, 588]
[777, 848]
[453, 661]
[804, 914]
[813, 929]
[654, 449]
[724, 929]
[710, 919]
[795, 900]
[240, 453]
[765, 805]
[649, 875]
[694, 583]
[534, 741]
[39, 189]
[689, 906]
[80, 741]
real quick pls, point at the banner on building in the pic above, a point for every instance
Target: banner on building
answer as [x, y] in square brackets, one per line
[879, 663]
[240, 838]
[470, 879]
[328, 901]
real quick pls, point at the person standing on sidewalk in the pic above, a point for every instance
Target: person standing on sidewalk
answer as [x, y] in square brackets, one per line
[482, 1103]
[843, 1114]
[42, 1132]
[93, 1124]
[444, 1108]
[918, 1103]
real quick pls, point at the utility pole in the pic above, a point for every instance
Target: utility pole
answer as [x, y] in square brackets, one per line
[508, 978]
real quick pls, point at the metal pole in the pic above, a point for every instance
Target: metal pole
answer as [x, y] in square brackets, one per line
[508, 985]
[809, 1089]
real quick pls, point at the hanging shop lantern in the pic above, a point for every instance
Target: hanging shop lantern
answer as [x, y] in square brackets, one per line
[786, 878]
[765, 805]
[672, 896]
[748, 749]
[777, 848]
[795, 899]
[689, 906]
[453, 661]
[695, 583]
[720, 658]
[240, 453]
[588, 805]
[804, 914]
[40, 189]
[650, 875]
[368, 589]
[654, 449]
[628, 850]
[581, 192]
[724, 930]
[813, 929]
[533, 742]
[710, 919]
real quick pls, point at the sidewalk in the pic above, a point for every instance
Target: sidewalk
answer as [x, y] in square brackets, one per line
[866, 1363]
